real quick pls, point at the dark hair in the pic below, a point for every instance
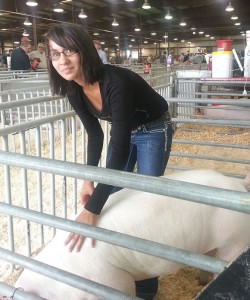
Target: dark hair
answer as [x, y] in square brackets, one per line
[73, 37]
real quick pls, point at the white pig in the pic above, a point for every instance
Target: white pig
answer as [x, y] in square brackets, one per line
[174, 222]
[227, 112]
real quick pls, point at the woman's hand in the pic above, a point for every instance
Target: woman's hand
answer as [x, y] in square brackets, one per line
[87, 191]
[75, 240]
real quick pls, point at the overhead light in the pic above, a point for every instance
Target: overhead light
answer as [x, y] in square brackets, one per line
[58, 9]
[193, 28]
[237, 24]
[183, 23]
[129, 0]
[207, 35]
[175, 39]
[96, 33]
[115, 23]
[165, 36]
[229, 7]
[201, 32]
[234, 17]
[153, 33]
[32, 3]
[27, 22]
[211, 37]
[25, 33]
[168, 16]
[82, 14]
[137, 29]
[146, 5]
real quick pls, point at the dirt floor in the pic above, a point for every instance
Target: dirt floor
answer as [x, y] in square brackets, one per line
[184, 284]
[215, 134]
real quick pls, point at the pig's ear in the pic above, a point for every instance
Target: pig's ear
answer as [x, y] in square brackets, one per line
[246, 181]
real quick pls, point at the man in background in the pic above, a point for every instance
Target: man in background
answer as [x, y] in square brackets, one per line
[186, 57]
[118, 59]
[101, 53]
[19, 57]
[5, 57]
[38, 57]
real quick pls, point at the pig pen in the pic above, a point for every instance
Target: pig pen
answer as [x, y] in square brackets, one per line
[172, 282]
[181, 285]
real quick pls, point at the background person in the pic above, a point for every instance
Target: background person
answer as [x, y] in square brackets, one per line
[170, 60]
[118, 59]
[163, 57]
[130, 59]
[186, 57]
[40, 56]
[19, 57]
[141, 128]
[181, 57]
[7, 53]
[101, 53]
[150, 58]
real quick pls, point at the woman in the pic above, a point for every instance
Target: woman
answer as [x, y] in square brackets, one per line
[141, 126]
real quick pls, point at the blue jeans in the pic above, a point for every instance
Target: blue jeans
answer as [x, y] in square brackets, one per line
[150, 149]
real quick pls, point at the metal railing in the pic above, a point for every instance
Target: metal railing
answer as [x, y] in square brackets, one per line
[182, 190]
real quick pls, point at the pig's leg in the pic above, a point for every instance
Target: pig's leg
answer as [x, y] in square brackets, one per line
[204, 276]
[229, 253]
[122, 281]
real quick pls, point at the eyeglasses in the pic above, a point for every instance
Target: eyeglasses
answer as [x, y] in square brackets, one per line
[55, 55]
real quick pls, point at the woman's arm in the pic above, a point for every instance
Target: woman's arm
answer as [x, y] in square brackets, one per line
[91, 125]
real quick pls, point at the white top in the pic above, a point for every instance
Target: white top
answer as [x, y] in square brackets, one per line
[103, 56]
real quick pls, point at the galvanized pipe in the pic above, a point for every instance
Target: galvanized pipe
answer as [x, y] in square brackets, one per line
[183, 190]
[16, 293]
[200, 261]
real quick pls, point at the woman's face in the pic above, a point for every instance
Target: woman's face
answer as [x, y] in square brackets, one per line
[69, 67]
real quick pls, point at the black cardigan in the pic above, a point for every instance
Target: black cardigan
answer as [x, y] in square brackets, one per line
[127, 102]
